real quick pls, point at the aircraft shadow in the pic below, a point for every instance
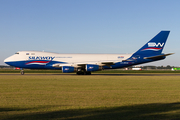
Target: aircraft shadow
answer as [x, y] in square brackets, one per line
[155, 111]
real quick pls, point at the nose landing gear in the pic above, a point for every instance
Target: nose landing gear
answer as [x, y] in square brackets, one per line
[22, 71]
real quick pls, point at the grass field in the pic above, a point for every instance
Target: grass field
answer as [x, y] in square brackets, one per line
[89, 97]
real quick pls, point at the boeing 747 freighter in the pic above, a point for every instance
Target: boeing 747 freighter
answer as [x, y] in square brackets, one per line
[84, 64]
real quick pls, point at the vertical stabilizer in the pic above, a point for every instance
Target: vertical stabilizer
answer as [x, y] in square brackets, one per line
[154, 46]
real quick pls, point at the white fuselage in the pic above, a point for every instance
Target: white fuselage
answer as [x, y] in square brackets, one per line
[65, 58]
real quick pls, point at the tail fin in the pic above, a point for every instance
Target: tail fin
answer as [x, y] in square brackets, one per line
[154, 46]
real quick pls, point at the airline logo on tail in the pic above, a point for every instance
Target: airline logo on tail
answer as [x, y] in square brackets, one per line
[153, 46]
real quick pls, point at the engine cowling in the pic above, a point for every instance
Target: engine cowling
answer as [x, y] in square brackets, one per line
[68, 69]
[91, 68]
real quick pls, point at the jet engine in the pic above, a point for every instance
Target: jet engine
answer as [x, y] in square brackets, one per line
[91, 68]
[68, 69]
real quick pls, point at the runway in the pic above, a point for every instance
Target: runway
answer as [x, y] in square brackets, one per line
[51, 74]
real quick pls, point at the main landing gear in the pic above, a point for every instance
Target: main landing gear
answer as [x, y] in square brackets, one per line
[83, 73]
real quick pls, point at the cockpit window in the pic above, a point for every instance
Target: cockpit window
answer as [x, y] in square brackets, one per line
[17, 53]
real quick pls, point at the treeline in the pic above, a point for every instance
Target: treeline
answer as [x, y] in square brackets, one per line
[6, 67]
[154, 67]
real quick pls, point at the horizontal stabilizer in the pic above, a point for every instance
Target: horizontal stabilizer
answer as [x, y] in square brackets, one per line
[158, 56]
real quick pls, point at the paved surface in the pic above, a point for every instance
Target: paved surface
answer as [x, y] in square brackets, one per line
[107, 74]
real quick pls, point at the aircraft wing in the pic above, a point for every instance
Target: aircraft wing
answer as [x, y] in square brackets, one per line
[83, 64]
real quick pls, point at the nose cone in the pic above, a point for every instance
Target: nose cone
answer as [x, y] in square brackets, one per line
[8, 60]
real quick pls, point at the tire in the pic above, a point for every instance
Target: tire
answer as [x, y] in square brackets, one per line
[22, 72]
[79, 73]
[87, 73]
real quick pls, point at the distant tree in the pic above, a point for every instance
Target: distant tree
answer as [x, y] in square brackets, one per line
[168, 67]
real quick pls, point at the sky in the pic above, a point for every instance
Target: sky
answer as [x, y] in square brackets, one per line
[88, 26]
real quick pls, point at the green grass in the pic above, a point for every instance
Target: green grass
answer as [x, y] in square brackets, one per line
[89, 97]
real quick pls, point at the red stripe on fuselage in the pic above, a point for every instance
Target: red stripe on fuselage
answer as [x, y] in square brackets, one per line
[38, 62]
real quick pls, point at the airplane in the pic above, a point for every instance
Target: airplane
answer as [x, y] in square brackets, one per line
[84, 64]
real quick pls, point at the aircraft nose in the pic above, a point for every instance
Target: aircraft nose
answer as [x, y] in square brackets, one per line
[7, 60]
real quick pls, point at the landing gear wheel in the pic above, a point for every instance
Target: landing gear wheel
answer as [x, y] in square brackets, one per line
[79, 73]
[87, 73]
[22, 72]
[83, 73]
